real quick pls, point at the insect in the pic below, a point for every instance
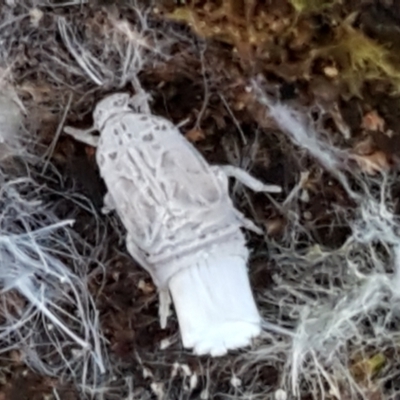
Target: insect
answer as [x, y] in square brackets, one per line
[181, 224]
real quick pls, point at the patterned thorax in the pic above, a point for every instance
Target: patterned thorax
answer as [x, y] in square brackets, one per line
[169, 198]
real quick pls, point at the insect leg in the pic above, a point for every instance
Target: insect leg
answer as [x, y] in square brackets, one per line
[247, 223]
[163, 292]
[83, 136]
[108, 204]
[222, 178]
[247, 180]
[164, 306]
[140, 101]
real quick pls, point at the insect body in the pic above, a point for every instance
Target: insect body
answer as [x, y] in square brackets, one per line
[182, 226]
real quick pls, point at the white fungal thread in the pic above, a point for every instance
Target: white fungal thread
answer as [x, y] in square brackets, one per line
[175, 206]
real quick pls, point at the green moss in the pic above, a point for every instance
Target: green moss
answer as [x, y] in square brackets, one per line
[360, 58]
[311, 5]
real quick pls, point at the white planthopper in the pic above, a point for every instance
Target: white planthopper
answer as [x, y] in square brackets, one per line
[182, 226]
